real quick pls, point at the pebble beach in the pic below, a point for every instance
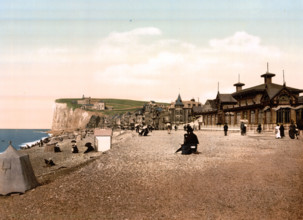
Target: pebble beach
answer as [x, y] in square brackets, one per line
[233, 177]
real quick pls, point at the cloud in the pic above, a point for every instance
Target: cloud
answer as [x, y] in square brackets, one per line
[244, 43]
[130, 36]
[142, 58]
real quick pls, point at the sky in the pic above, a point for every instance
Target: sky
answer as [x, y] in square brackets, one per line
[140, 50]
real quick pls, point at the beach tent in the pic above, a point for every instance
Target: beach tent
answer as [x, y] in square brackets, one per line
[16, 172]
[103, 139]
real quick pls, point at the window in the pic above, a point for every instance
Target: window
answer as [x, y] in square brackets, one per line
[284, 99]
[245, 115]
[283, 115]
[260, 117]
[252, 117]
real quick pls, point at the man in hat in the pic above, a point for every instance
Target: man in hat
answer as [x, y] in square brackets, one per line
[192, 139]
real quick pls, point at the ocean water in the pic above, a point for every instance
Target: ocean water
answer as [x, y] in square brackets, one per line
[20, 137]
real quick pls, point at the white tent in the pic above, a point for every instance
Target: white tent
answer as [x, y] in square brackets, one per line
[16, 172]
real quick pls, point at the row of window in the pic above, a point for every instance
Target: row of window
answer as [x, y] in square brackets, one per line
[282, 116]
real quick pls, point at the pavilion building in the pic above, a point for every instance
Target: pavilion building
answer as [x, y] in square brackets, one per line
[266, 104]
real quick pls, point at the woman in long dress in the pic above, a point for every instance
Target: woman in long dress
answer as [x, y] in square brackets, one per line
[277, 131]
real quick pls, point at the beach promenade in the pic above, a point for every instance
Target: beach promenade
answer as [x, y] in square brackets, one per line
[233, 177]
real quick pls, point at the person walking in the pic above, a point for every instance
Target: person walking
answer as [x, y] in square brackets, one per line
[277, 131]
[259, 129]
[282, 133]
[225, 129]
[243, 128]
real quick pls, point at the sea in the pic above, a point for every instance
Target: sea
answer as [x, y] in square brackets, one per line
[21, 137]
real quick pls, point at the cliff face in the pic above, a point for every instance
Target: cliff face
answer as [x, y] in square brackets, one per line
[66, 118]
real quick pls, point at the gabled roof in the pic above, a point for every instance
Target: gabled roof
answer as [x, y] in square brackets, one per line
[197, 109]
[226, 98]
[272, 90]
[210, 105]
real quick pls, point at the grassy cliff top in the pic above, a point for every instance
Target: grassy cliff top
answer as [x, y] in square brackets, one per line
[117, 106]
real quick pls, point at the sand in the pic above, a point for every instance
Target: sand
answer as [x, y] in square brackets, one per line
[233, 177]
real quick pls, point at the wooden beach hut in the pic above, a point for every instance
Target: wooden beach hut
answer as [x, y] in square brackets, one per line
[103, 139]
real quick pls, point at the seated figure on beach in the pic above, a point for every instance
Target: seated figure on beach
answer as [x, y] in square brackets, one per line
[75, 149]
[144, 131]
[57, 148]
[49, 162]
[90, 148]
[190, 144]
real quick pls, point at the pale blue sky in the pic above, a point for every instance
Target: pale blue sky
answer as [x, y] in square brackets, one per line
[57, 21]
[147, 49]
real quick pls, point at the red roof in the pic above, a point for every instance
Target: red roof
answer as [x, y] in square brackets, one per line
[103, 132]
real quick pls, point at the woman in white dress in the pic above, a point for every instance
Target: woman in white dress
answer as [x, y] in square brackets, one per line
[277, 131]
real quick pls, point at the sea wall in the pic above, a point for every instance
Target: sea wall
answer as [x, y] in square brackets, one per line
[65, 118]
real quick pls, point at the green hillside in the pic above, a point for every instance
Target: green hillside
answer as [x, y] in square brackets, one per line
[115, 106]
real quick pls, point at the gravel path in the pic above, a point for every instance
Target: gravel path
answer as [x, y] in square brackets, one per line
[233, 177]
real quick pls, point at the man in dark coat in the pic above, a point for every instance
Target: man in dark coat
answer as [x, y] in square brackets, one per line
[282, 133]
[192, 139]
[190, 142]
[225, 129]
[185, 148]
[242, 128]
[259, 129]
[292, 130]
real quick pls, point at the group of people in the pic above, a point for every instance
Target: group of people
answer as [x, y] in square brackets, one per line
[293, 131]
[190, 144]
[279, 131]
[75, 149]
[143, 131]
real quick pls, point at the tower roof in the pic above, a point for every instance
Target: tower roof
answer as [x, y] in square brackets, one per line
[179, 101]
[239, 84]
[267, 75]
